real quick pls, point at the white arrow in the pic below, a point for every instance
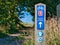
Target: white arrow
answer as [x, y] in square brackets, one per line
[40, 24]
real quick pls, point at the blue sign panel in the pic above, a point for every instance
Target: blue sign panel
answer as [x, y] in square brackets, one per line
[40, 17]
[40, 25]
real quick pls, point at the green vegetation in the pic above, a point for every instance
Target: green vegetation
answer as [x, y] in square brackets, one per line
[2, 34]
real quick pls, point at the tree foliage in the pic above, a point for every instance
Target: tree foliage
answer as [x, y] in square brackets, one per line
[8, 15]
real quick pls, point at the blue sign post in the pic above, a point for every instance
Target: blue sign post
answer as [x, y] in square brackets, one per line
[40, 17]
[40, 14]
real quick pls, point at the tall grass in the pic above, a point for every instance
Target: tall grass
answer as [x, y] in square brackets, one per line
[52, 31]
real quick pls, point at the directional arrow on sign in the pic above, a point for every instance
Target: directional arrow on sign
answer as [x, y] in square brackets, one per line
[40, 24]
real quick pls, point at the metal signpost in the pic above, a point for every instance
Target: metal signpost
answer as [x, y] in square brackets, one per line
[58, 14]
[40, 14]
[58, 11]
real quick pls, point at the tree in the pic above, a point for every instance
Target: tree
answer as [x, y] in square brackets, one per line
[8, 15]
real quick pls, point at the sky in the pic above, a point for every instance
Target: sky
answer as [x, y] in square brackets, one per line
[27, 16]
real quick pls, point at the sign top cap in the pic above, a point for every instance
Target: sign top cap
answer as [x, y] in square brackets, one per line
[40, 4]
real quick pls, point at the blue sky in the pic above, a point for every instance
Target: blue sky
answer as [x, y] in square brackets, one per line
[27, 16]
